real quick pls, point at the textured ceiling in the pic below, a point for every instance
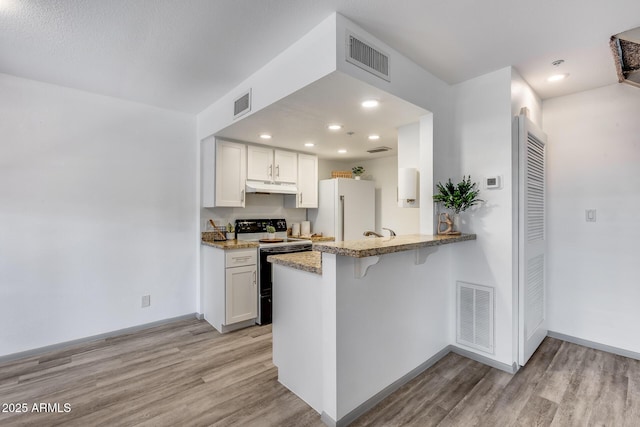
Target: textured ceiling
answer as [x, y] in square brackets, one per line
[184, 55]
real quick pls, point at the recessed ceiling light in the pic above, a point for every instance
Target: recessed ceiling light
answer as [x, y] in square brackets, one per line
[374, 137]
[334, 126]
[342, 151]
[265, 136]
[370, 103]
[309, 144]
[557, 77]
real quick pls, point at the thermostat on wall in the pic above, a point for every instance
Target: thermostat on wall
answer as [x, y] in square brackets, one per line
[492, 182]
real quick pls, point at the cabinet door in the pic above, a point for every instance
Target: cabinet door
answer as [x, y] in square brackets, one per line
[307, 181]
[286, 166]
[259, 163]
[241, 294]
[231, 173]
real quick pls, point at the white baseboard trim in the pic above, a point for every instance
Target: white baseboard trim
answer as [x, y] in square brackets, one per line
[595, 345]
[512, 369]
[45, 349]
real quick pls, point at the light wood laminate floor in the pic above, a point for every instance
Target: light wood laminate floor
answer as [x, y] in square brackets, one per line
[187, 374]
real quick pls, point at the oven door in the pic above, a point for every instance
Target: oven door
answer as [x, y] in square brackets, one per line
[265, 278]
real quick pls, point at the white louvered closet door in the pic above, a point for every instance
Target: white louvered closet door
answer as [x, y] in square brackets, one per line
[531, 238]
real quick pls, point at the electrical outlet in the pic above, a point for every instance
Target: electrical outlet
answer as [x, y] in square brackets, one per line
[590, 215]
[146, 301]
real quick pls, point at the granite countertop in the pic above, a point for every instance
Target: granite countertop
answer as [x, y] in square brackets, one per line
[322, 239]
[208, 240]
[386, 245]
[230, 244]
[310, 261]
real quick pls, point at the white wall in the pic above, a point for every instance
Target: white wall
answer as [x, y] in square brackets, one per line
[523, 96]
[482, 132]
[98, 207]
[593, 158]
[386, 325]
[326, 166]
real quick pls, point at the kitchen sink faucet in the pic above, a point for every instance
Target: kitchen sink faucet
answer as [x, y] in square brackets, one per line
[373, 233]
[391, 232]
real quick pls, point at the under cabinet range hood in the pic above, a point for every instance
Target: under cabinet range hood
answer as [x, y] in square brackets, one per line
[262, 187]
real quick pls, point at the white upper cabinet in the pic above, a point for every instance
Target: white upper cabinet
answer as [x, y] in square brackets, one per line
[259, 163]
[268, 165]
[307, 196]
[286, 166]
[231, 174]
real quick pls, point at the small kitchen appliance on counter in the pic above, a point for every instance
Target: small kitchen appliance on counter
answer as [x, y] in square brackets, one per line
[256, 230]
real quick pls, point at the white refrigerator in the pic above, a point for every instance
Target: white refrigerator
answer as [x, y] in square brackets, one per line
[346, 208]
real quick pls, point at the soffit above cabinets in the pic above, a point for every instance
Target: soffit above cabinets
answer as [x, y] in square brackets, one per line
[303, 116]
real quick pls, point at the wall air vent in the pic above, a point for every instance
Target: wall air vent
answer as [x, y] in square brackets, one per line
[368, 57]
[626, 55]
[378, 150]
[242, 104]
[474, 323]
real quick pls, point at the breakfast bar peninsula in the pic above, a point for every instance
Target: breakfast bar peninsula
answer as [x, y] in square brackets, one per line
[353, 320]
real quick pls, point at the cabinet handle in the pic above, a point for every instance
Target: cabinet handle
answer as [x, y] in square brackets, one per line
[254, 279]
[271, 170]
[242, 195]
[278, 171]
[342, 218]
[301, 197]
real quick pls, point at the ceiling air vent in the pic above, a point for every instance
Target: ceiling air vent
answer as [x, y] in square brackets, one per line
[378, 150]
[242, 104]
[368, 57]
[626, 54]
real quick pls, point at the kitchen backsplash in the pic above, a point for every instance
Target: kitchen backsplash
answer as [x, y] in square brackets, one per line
[256, 206]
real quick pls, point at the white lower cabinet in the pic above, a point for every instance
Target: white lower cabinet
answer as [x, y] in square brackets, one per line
[241, 294]
[229, 287]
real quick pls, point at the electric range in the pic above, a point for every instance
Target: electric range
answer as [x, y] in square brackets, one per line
[256, 230]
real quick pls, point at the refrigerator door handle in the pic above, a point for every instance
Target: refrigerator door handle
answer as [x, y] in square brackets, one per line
[342, 218]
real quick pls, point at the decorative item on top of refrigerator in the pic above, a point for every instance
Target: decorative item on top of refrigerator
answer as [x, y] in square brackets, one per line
[346, 208]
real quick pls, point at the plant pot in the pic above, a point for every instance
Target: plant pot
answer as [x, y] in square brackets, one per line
[271, 236]
[357, 177]
[456, 223]
[231, 235]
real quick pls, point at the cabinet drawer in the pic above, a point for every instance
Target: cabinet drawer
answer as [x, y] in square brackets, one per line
[239, 258]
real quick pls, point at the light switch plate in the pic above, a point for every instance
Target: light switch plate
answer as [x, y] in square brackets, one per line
[590, 215]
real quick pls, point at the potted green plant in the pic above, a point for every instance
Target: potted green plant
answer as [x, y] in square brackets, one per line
[271, 232]
[230, 231]
[357, 171]
[458, 198]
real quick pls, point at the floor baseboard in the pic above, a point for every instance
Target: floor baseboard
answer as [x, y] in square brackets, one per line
[512, 369]
[45, 349]
[595, 345]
